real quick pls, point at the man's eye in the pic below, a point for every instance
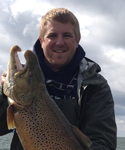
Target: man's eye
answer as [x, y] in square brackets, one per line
[67, 35]
[51, 36]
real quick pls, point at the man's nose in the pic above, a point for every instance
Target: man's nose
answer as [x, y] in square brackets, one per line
[60, 40]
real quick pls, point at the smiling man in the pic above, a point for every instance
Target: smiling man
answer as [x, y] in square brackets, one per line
[59, 44]
[72, 80]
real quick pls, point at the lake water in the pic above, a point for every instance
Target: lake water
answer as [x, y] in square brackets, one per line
[6, 140]
[121, 143]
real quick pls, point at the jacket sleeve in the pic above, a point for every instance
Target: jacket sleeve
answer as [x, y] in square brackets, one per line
[3, 114]
[97, 118]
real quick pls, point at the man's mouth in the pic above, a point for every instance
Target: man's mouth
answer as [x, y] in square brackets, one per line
[59, 51]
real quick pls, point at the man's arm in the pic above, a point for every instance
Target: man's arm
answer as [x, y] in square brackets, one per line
[3, 113]
[3, 107]
[97, 117]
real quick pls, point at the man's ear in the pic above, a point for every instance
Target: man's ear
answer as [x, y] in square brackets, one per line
[40, 40]
[78, 40]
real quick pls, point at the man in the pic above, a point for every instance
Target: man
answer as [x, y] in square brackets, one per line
[72, 80]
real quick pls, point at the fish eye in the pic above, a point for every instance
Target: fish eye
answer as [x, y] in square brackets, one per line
[30, 74]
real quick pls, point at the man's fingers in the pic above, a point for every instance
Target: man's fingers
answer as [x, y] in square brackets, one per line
[3, 77]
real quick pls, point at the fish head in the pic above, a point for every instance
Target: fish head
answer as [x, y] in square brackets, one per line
[21, 83]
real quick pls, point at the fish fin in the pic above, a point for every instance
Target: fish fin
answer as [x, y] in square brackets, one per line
[10, 117]
[84, 141]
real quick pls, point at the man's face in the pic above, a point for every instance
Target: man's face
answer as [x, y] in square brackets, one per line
[59, 44]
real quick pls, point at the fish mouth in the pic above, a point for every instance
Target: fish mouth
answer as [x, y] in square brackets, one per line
[14, 72]
[19, 84]
[15, 65]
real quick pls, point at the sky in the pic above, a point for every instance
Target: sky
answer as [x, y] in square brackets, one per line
[102, 26]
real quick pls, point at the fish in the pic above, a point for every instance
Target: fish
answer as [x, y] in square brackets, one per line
[38, 121]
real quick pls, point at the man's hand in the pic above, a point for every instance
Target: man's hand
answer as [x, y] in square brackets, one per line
[3, 77]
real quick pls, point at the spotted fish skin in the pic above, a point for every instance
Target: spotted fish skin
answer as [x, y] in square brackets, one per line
[39, 122]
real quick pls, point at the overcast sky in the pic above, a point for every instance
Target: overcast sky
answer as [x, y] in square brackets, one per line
[102, 25]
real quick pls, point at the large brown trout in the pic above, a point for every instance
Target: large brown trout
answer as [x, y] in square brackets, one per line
[39, 122]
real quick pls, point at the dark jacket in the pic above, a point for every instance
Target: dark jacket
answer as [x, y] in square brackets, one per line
[93, 113]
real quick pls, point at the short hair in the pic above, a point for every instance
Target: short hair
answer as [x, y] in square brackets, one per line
[61, 15]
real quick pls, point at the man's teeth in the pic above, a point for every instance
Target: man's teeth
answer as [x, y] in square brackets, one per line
[59, 51]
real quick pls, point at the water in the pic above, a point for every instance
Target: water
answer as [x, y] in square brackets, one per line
[121, 143]
[6, 140]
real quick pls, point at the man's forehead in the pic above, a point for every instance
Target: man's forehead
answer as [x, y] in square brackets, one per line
[53, 22]
[55, 26]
